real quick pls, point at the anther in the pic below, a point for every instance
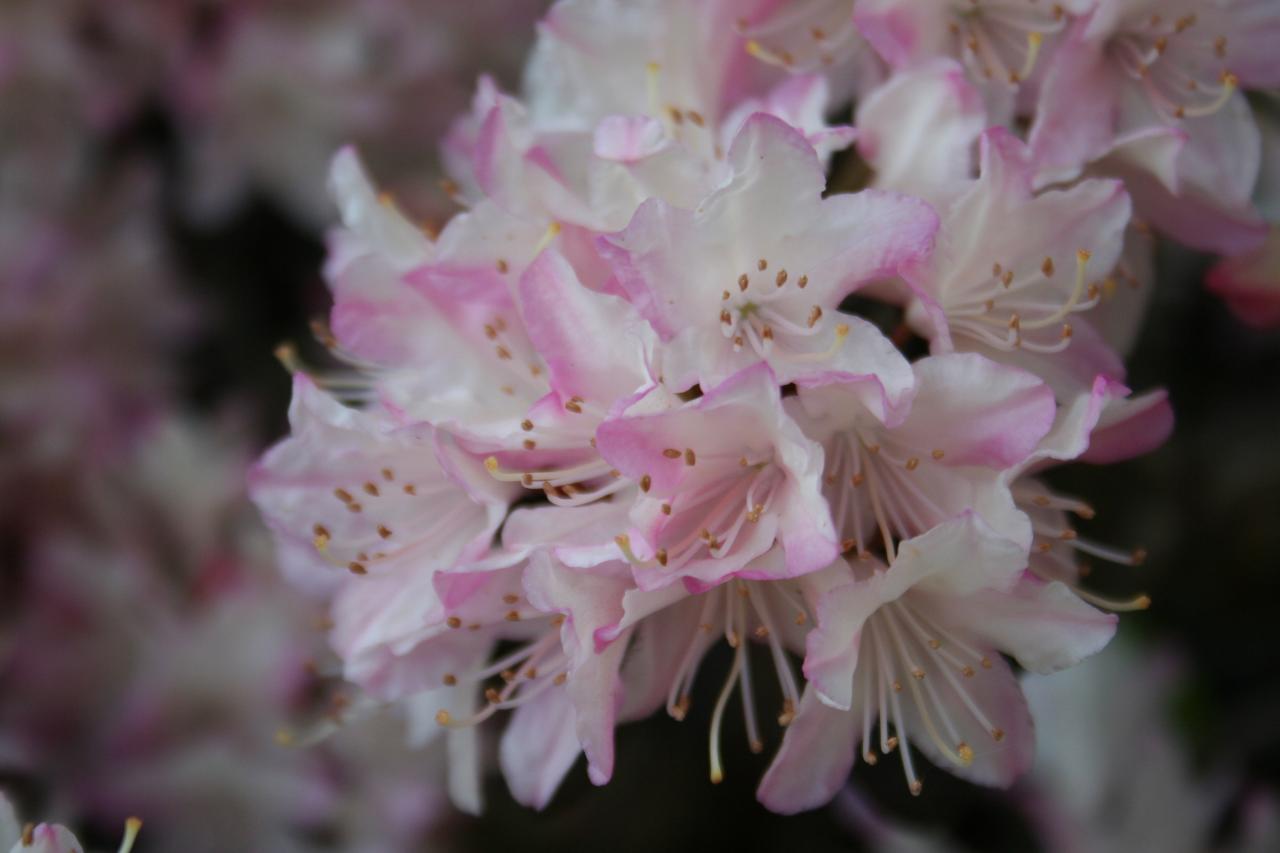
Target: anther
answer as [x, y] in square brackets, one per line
[689, 457]
[453, 622]
[1047, 267]
[803, 282]
[646, 482]
[781, 278]
[671, 453]
[357, 568]
[450, 679]
[815, 314]
[384, 531]
[526, 425]
[762, 265]
[743, 282]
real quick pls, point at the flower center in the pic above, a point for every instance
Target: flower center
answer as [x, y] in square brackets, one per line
[754, 313]
[1009, 311]
[1179, 64]
[1000, 39]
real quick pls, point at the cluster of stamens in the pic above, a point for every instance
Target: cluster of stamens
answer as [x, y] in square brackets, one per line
[1001, 311]
[706, 520]
[1179, 65]
[748, 315]
[1001, 39]
[1052, 537]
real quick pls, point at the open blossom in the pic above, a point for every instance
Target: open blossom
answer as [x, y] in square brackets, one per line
[1152, 91]
[622, 405]
[756, 272]
[723, 478]
[997, 40]
[1013, 274]
[359, 494]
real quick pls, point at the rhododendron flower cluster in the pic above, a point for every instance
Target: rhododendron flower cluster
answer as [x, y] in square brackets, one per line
[677, 375]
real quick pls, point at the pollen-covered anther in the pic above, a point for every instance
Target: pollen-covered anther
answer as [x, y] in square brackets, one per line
[788, 715]
[690, 458]
[1047, 267]
[661, 556]
[453, 622]
[781, 278]
[320, 537]
[912, 464]
[646, 483]
[938, 454]
[672, 453]
[815, 314]
[526, 425]
[574, 404]
[384, 531]
[357, 568]
[449, 679]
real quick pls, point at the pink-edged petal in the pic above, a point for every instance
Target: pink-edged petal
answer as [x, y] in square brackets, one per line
[538, 748]
[1250, 283]
[589, 602]
[902, 31]
[1078, 113]
[581, 537]
[1044, 625]
[976, 411]
[831, 649]
[596, 691]
[566, 323]
[372, 221]
[919, 130]
[870, 371]
[1131, 427]
[1075, 423]
[953, 559]
[814, 761]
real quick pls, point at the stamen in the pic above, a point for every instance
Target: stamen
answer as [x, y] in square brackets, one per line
[1034, 41]
[717, 769]
[132, 826]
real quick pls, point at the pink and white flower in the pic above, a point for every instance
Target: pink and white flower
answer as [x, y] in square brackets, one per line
[756, 272]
